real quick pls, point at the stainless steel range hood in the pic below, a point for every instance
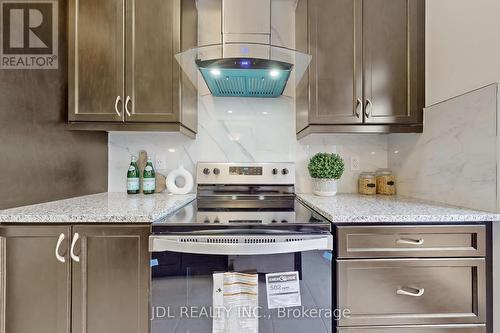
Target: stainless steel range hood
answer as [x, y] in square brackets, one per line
[239, 54]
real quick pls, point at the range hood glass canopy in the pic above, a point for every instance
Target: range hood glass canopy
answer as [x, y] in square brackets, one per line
[265, 76]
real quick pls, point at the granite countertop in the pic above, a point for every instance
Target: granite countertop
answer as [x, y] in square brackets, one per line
[355, 208]
[99, 208]
[343, 208]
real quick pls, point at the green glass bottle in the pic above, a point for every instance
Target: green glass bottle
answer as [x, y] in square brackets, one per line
[133, 177]
[149, 178]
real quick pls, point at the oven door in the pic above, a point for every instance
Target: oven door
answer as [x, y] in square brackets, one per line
[186, 282]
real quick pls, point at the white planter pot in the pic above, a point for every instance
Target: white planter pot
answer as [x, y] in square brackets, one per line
[324, 187]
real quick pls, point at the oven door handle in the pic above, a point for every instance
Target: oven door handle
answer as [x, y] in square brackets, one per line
[240, 245]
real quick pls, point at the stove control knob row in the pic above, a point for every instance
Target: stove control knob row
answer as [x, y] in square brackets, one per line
[284, 171]
[275, 171]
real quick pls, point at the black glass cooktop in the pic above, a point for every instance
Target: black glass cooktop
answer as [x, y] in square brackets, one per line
[288, 214]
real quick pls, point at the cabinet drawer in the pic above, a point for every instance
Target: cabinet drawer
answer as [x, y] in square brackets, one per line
[411, 241]
[416, 329]
[412, 291]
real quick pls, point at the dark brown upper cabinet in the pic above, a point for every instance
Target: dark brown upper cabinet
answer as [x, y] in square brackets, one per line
[367, 69]
[123, 74]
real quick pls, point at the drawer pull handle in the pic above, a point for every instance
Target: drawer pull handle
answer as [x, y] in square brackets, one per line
[410, 241]
[417, 293]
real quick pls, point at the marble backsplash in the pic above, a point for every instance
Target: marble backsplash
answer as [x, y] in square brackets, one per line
[245, 130]
[455, 160]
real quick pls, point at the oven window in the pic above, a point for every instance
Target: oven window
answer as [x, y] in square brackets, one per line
[183, 293]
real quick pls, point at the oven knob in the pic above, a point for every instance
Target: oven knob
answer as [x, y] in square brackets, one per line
[285, 171]
[216, 171]
[275, 171]
[206, 171]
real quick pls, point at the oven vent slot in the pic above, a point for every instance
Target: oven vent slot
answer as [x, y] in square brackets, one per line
[222, 240]
[188, 240]
[260, 240]
[294, 239]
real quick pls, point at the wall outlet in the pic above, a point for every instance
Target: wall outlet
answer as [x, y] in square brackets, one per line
[355, 163]
[161, 162]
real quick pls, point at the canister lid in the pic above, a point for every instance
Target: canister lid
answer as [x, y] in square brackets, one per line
[367, 175]
[384, 171]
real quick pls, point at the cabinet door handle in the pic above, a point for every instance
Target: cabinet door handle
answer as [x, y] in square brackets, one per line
[358, 106]
[76, 258]
[418, 292]
[117, 101]
[128, 100]
[410, 241]
[368, 108]
[59, 257]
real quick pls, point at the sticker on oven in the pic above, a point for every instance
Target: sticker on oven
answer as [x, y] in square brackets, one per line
[283, 290]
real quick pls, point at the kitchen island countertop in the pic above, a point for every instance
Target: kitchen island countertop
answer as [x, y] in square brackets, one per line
[355, 208]
[108, 207]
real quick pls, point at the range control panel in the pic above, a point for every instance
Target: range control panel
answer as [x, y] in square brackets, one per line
[246, 173]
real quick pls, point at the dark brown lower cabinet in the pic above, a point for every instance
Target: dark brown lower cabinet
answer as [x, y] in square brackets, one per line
[414, 279]
[412, 291]
[110, 279]
[78, 279]
[35, 287]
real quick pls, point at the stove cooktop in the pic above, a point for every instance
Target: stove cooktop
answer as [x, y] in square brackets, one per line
[293, 215]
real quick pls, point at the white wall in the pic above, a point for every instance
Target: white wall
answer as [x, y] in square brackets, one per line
[462, 46]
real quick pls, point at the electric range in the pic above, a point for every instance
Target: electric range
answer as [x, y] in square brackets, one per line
[250, 196]
[245, 241]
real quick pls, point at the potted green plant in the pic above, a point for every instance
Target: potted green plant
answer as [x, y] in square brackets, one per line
[325, 169]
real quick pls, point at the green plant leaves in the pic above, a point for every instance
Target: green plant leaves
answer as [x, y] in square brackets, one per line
[324, 165]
